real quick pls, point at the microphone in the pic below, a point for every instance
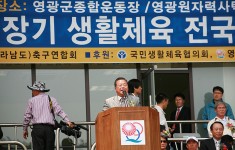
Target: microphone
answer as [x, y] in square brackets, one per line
[124, 92]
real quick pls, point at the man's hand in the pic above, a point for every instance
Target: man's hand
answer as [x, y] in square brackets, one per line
[171, 130]
[71, 124]
[25, 134]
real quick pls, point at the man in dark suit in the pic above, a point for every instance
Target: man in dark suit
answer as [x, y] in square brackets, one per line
[213, 143]
[180, 113]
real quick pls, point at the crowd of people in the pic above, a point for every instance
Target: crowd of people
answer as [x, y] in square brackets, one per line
[221, 127]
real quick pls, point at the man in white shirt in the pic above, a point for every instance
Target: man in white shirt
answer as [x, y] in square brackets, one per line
[161, 104]
[220, 109]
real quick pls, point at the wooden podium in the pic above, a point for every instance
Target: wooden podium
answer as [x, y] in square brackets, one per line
[109, 129]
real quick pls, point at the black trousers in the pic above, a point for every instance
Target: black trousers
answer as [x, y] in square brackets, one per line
[43, 137]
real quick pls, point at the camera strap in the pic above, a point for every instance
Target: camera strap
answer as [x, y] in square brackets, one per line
[51, 107]
[57, 125]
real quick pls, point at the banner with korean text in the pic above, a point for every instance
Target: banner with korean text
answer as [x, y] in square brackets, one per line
[117, 31]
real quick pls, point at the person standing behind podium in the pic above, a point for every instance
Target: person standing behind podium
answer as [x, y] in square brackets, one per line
[121, 97]
[134, 87]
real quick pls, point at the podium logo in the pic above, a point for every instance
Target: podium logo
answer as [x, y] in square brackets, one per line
[132, 132]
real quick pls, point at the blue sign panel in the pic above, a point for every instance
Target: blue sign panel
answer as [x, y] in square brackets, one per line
[117, 23]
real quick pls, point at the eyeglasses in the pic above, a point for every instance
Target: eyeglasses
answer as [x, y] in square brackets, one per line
[217, 93]
[163, 141]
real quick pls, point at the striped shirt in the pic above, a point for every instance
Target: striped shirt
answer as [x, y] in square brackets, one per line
[38, 111]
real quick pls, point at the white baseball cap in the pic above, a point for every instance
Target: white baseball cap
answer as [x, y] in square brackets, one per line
[192, 138]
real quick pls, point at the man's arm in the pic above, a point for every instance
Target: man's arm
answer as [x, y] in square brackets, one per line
[58, 110]
[27, 119]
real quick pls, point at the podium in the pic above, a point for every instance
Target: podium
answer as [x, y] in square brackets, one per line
[128, 128]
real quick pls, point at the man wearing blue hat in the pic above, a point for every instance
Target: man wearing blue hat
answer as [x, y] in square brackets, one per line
[39, 113]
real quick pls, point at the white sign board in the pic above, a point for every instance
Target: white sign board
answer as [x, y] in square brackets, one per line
[132, 132]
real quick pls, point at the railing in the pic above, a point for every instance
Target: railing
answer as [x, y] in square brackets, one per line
[89, 124]
[16, 126]
[9, 143]
[183, 139]
[93, 146]
[195, 122]
[13, 142]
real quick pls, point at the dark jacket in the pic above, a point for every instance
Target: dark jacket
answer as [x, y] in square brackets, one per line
[185, 114]
[207, 144]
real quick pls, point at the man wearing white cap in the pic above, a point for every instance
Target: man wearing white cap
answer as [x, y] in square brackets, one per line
[192, 143]
[38, 112]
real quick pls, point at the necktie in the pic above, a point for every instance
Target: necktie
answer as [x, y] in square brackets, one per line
[176, 117]
[177, 114]
[217, 145]
[123, 102]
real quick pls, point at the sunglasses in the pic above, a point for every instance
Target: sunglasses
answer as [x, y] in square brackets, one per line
[163, 141]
